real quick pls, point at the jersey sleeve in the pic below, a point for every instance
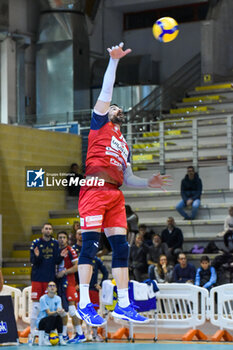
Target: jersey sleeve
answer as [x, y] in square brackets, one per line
[43, 304]
[73, 255]
[98, 121]
[129, 157]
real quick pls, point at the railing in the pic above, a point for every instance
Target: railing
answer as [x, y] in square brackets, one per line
[183, 135]
[181, 306]
[15, 294]
[221, 306]
[187, 132]
[178, 305]
[82, 116]
[26, 304]
[150, 108]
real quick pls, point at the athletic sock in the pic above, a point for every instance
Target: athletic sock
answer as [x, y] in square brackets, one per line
[64, 330]
[123, 297]
[84, 295]
[78, 329]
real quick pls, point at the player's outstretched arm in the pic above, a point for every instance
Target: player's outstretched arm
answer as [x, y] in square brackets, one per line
[105, 97]
[156, 181]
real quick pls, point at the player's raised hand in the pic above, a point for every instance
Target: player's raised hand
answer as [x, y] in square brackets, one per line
[117, 52]
[159, 181]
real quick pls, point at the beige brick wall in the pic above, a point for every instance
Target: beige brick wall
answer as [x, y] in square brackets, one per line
[21, 147]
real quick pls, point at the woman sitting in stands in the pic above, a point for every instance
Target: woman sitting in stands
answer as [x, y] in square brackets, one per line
[163, 271]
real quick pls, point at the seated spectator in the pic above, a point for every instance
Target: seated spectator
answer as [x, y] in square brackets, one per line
[50, 316]
[104, 246]
[132, 218]
[173, 237]
[228, 230]
[163, 272]
[72, 234]
[146, 235]
[130, 235]
[74, 188]
[71, 239]
[158, 248]
[132, 224]
[184, 272]
[137, 259]
[75, 227]
[206, 275]
[191, 189]
[223, 265]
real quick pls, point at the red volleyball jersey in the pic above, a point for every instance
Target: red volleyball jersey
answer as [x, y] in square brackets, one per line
[108, 152]
[70, 257]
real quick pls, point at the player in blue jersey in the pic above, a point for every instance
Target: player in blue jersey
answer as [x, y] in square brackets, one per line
[44, 255]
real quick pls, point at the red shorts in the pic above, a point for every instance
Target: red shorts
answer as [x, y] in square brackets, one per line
[102, 207]
[71, 294]
[38, 289]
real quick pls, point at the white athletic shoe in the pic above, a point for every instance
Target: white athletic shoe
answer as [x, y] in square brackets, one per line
[46, 340]
[61, 340]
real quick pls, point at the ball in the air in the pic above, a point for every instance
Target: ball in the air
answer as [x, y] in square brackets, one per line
[54, 338]
[165, 29]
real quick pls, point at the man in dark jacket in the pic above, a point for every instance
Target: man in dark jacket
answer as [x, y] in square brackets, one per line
[191, 189]
[173, 237]
[184, 272]
[137, 259]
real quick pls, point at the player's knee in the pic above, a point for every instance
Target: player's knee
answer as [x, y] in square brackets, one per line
[90, 247]
[72, 311]
[120, 250]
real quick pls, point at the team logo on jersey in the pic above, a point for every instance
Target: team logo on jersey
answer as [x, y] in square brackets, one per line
[115, 162]
[119, 146]
[35, 178]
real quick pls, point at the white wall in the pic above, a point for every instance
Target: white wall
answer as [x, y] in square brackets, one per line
[108, 30]
[171, 55]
